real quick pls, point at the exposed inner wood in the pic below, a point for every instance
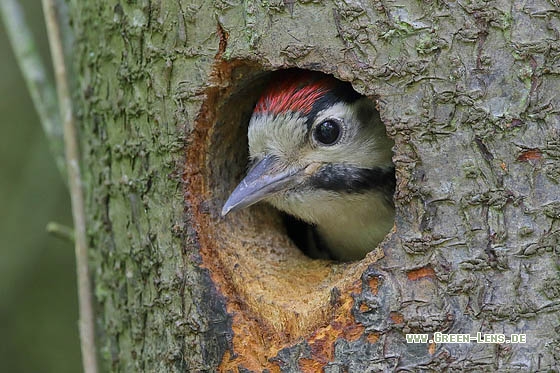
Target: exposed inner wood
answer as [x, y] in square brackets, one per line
[275, 293]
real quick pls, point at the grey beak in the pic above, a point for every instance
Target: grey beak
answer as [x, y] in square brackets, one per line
[262, 180]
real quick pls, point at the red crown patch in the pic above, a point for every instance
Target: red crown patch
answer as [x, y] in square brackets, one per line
[297, 92]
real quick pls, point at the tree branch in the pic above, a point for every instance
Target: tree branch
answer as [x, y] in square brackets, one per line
[87, 324]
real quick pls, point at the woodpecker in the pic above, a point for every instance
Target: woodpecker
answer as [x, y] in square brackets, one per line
[319, 152]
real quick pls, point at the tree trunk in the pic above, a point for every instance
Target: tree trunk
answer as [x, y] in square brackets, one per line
[467, 89]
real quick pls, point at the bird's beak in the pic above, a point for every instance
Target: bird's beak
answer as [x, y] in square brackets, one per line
[262, 181]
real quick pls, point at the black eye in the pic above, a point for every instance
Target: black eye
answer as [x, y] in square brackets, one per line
[327, 132]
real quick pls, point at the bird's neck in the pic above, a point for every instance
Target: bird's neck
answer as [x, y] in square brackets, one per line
[350, 225]
[357, 227]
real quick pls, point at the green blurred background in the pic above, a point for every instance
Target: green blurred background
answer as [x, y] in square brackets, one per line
[38, 305]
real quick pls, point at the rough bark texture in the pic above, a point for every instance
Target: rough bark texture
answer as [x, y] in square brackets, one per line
[468, 90]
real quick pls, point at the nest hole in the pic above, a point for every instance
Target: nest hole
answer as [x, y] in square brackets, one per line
[258, 255]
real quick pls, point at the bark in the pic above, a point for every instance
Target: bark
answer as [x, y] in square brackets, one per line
[468, 90]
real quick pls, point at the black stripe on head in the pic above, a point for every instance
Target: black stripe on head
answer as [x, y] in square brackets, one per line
[349, 179]
[341, 92]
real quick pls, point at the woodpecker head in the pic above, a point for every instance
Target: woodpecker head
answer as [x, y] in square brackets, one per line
[318, 151]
